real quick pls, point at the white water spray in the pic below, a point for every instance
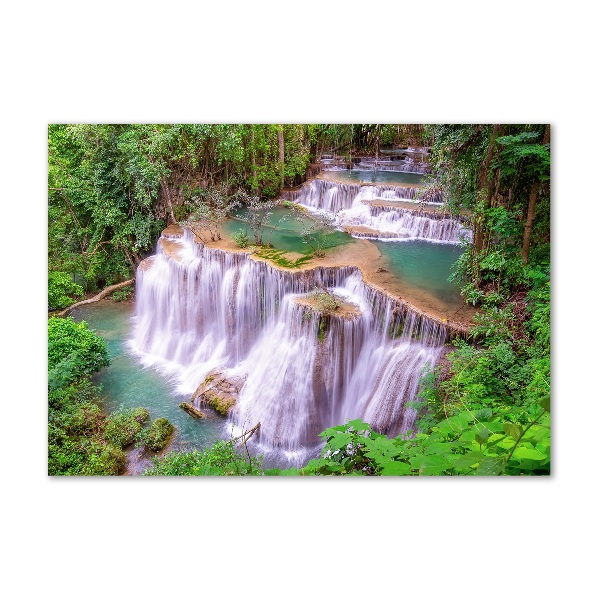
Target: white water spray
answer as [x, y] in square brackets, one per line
[199, 309]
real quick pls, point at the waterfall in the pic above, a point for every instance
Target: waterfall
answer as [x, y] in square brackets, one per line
[403, 166]
[369, 211]
[201, 309]
[390, 222]
[333, 196]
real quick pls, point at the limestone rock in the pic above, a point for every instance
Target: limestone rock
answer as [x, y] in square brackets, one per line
[218, 392]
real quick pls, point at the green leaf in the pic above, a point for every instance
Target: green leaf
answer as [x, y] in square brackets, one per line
[396, 468]
[482, 436]
[340, 440]
[454, 425]
[513, 429]
[491, 465]
[441, 448]
[431, 464]
[529, 453]
[467, 460]
[381, 446]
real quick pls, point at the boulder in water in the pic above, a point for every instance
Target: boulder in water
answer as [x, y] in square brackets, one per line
[218, 392]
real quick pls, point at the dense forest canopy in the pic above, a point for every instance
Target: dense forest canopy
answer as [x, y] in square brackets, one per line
[484, 410]
[112, 188]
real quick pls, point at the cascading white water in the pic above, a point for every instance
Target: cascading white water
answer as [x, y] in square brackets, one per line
[333, 196]
[401, 223]
[407, 165]
[199, 309]
[352, 206]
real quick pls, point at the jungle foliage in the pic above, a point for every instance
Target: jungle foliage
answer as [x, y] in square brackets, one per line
[113, 188]
[485, 410]
[82, 439]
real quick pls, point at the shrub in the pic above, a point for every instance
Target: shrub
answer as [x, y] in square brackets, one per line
[221, 459]
[62, 290]
[74, 351]
[106, 460]
[125, 293]
[155, 438]
[123, 427]
[240, 237]
[324, 300]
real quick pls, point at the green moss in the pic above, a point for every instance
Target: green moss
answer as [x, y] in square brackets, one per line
[106, 460]
[122, 428]
[324, 300]
[279, 257]
[221, 403]
[155, 438]
[323, 327]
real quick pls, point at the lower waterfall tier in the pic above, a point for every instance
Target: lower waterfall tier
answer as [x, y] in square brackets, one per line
[302, 367]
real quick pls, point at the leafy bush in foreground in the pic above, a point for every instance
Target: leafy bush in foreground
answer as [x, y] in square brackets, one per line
[74, 351]
[62, 290]
[221, 459]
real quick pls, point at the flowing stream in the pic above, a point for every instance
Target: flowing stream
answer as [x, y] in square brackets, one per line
[126, 385]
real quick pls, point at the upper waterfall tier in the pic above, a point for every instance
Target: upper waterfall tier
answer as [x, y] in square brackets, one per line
[333, 196]
[380, 211]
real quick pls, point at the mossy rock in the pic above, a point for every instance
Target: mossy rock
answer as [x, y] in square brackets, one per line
[155, 438]
[220, 401]
[218, 392]
[123, 427]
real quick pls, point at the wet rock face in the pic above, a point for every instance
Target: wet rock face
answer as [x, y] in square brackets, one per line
[173, 231]
[219, 392]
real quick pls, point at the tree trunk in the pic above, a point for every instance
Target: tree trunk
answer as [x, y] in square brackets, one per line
[531, 208]
[529, 224]
[255, 186]
[102, 294]
[167, 194]
[485, 184]
[281, 142]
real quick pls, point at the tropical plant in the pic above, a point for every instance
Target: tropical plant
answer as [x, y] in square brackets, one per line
[62, 290]
[74, 351]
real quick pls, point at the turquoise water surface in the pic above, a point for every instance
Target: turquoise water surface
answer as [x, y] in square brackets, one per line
[127, 384]
[424, 265]
[383, 177]
[283, 230]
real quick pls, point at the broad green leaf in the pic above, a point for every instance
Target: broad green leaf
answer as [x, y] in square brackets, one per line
[441, 448]
[467, 460]
[396, 468]
[491, 465]
[453, 425]
[482, 436]
[430, 464]
[529, 453]
[513, 429]
[340, 440]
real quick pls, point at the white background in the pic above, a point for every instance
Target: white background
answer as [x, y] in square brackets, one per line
[312, 62]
